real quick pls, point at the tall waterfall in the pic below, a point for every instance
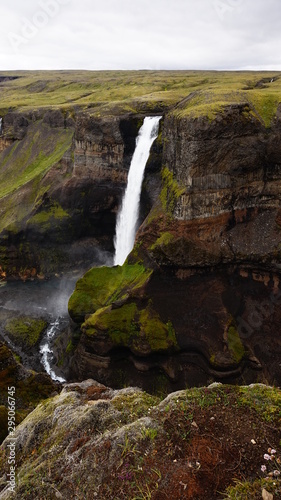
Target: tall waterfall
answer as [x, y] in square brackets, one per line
[127, 217]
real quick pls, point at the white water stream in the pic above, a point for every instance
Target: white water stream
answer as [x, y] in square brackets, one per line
[128, 215]
[47, 353]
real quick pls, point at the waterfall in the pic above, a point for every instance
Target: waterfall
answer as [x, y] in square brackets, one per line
[127, 217]
[0, 126]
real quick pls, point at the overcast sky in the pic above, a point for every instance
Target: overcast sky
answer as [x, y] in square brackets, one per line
[140, 34]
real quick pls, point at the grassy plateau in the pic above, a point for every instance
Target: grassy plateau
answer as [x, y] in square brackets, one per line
[193, 93]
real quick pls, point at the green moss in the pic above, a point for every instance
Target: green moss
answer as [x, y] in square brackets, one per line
[45, 218]
[70, 347]
[163, 240]
[140, 330]
[159, 335]
[117, 323]
[134, 405]
[25, 330]
[102, 286]
[171, 191]
[234, 343]
[266, 401]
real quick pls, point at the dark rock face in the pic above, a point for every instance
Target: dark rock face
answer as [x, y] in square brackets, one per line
[15, 125]
[54, 118]
[229, 164]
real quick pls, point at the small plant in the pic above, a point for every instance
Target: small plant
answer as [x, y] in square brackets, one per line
[273, 467]
[150, 434]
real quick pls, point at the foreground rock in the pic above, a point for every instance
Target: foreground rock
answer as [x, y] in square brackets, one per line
[93, 442]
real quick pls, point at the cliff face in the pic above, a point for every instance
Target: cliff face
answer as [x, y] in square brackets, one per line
[221, 193]
[63, 178]
[213, 242]
[227, 165]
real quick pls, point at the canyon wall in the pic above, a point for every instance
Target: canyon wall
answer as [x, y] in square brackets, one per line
[70, 171]
[212, 242]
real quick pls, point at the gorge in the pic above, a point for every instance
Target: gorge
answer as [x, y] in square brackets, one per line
[197, 299]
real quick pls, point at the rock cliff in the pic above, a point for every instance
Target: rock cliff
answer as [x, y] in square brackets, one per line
[212, 242]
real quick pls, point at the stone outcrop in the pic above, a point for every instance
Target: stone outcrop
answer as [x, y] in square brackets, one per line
[227, 165]
[91, 442]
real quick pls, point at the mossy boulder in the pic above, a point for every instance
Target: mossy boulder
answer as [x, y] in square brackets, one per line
[207, 442]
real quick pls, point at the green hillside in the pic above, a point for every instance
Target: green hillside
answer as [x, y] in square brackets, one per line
[112, 92]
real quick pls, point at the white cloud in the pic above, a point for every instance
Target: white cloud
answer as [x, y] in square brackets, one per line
[126, 34]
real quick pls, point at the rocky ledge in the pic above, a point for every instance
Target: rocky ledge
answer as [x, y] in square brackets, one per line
[94, 442]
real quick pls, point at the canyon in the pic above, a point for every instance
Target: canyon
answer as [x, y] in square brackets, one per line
[197, 300]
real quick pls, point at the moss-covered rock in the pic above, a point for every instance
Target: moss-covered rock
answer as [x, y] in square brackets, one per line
[103, 286]
[235, 345]
[127, 326]
[201, 443]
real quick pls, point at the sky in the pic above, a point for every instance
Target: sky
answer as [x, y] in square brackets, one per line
[140, 34]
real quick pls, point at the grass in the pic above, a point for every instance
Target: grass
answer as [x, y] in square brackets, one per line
[264, 400]
[246, 490]
[115, 92]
